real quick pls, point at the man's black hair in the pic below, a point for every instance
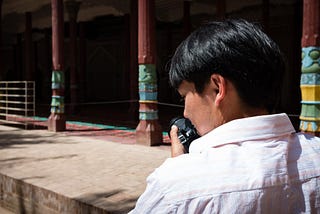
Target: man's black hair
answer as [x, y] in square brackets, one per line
[239, 51]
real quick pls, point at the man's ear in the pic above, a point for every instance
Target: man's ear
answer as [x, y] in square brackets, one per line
[220, 87]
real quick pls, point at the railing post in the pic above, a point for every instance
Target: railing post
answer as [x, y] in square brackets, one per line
[25, 102]
[17, 101]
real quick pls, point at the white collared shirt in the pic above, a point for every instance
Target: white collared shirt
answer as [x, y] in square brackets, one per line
[251, 165]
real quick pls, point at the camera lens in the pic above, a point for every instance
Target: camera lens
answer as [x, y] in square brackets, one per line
[186, 131]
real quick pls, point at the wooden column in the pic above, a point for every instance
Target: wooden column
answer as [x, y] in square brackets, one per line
[221, 9]
[133, 59]
[1, 72]
[47, 66]
[310, 72]
[265, 14]
[124, 83]
[148, 131]
[186, 18]
[83, 62]
[18, 58]
[56, 120]
[29, 75]
[72, 9]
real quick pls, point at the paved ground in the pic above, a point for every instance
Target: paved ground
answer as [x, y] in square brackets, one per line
[93, 166]
[4, 211]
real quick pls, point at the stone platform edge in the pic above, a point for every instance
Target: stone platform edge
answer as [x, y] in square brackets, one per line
[19, 196]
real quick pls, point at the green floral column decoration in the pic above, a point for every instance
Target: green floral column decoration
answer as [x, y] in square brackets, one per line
[57, 102]
[310, 90]
[148, 90]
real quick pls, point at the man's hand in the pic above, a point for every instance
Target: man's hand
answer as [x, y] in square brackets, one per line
[176, 147]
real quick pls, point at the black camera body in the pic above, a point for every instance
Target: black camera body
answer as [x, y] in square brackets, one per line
[186, 131]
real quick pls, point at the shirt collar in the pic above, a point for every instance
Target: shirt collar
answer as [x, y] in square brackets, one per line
[245, 129]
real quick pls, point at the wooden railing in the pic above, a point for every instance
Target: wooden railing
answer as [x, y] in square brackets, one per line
[17, 102]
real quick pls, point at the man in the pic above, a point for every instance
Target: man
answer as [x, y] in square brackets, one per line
[247, 160]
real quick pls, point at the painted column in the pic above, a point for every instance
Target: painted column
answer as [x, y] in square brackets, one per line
[72, 9]
[47, 66]
[83, 61]
[148, 132]
[29, 75]
[221, 9]
[133, 59]
[266, 14]
[18, 59]
[186, 18]
[124, 83]
[56, 120]
[1, 72]
[310, 76]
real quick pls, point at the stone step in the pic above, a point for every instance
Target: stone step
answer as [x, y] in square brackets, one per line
[21, 197]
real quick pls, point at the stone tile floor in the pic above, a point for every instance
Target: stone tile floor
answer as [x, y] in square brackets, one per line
[97, 167]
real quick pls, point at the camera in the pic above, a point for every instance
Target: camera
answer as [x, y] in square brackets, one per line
[186, 131]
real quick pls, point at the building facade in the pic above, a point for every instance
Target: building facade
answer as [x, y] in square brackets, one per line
[107, 51]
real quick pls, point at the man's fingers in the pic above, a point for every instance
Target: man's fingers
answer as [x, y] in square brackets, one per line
[176, 147]
[174, 132]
